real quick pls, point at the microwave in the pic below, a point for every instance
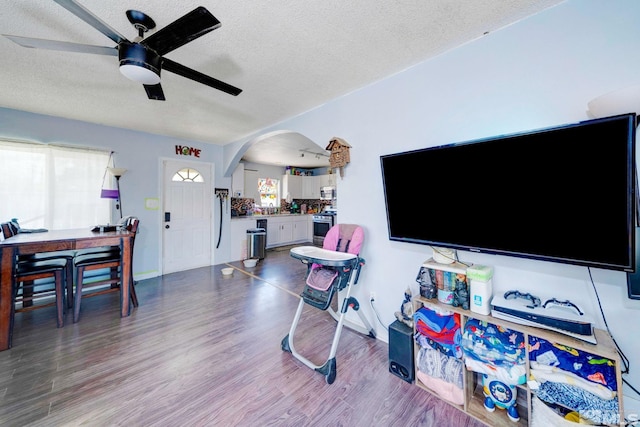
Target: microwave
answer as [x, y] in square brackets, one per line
[327, 193]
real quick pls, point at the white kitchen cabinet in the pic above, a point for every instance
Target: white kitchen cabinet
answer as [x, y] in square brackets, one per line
[301, 229]
[328, 180]
[286, 233]
[237, 181]
[273, 232]
[279, 230]
[238, 234]
[310, 187]
[285, 230]
[323, 181]
[301, 187]
[292, 186]
[251, 185]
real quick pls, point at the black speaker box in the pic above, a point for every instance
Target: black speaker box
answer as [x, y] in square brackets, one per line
[401, 362]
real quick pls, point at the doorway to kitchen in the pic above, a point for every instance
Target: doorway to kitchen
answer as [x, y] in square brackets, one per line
[186, 215]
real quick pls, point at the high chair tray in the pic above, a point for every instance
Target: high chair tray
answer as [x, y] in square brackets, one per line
[323, 256]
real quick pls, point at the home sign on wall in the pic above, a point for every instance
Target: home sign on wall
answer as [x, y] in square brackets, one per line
[183, 150]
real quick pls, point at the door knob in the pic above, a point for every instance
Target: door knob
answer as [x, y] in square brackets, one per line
[167, 226]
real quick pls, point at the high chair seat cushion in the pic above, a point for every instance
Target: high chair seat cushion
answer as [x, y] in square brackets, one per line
[321, 278]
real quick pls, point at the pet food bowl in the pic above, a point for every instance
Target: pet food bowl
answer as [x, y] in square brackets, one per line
[250, 262]
[227, 271]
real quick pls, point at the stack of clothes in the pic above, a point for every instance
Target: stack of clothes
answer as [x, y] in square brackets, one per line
[495, 351]
[439, 364]
[574, 383]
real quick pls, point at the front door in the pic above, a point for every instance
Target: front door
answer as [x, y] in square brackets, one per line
[186, 214]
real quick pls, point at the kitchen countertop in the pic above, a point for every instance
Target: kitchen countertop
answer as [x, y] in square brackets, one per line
[266, 216]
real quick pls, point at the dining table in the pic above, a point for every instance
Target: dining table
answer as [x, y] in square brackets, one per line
[50, 241]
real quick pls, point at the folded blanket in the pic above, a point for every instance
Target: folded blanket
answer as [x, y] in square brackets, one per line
[452, 350]
[443, 389]
[449, 336]
[542, 373]
[438, 365]
[587, 404]
[437, 322]
[493, 344]
[591, 367]
[508, 374]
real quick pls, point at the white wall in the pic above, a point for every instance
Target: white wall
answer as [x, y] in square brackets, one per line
[537, 73]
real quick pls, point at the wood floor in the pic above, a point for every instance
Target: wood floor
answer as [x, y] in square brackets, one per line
[203, 349]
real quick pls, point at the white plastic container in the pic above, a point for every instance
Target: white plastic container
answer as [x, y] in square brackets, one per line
[480, 288]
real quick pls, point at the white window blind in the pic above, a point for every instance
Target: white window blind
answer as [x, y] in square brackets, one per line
[53, 187]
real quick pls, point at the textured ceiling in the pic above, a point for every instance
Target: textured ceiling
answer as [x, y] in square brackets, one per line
[288, 56]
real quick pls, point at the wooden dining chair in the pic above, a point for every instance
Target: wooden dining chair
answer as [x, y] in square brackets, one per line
[111, 261]
[10, 229]
[7, 230]
[132, 226]
[36, 279]
[27, 290]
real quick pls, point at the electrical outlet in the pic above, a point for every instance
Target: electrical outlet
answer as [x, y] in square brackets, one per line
[372, 296]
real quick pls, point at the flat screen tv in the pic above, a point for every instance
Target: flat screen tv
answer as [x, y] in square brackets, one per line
[562, 194]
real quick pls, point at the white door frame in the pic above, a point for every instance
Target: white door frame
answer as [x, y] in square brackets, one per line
[160, 217]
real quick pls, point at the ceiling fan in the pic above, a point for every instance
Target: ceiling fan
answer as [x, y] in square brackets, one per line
[141, 60]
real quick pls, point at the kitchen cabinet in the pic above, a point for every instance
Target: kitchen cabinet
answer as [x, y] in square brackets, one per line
[251, 185]
[279, 230]
[310, 187]
[237, 181]
[328, 180]
[301, 229]
[273, 232]
[292, 186]
[238, 234]
[286, 233]
[473, 402]
[285, 230]
[301, 187]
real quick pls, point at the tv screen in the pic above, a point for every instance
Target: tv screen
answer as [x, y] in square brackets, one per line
[562, 194]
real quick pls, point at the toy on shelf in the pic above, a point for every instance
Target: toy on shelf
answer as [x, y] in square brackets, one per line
[405, 315]
[501, 395]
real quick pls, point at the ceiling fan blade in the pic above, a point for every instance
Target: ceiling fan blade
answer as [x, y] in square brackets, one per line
[154, 92]
[88, 17]
[63, 46]
[194, 24]
[181, 70]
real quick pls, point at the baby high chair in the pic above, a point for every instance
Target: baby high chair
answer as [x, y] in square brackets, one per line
[330, 269]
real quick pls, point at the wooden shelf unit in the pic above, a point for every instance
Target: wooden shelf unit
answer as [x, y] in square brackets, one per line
[473, 396]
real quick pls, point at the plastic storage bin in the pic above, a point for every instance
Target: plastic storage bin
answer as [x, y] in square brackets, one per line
[447, 282]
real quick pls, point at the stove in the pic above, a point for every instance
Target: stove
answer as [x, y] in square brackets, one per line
[322, 222]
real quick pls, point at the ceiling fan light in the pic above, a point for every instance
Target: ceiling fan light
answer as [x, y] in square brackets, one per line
[140, 74]
[139, 64]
